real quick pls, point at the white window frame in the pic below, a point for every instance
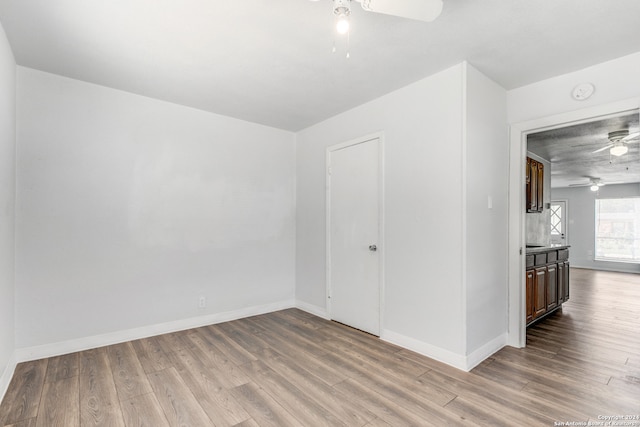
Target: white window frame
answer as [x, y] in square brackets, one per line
[636, 236]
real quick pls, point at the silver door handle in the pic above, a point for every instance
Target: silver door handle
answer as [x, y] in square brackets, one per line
[373, 248]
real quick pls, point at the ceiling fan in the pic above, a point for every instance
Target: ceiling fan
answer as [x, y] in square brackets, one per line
[618, 141]
[421, 10]
[594, 184]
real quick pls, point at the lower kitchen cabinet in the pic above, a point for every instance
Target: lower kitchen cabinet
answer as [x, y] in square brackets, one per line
[547, 282]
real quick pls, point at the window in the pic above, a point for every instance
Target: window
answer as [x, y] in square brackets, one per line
[618, 230]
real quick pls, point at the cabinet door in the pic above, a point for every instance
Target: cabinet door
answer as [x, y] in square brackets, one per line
[529, 302]
[566, 281]
[540, 188]
[534, 186]
[539, 291]
[561, 282]
[528, 176]
[552, 286]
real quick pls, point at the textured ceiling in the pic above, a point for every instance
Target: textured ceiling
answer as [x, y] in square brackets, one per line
[270, 61]
[570, 151]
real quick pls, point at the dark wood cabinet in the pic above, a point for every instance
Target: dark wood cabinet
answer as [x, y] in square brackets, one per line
[529, 299]
[552, 286]
[540, 187]
[563, 282]
[535, 185]
[547, 282]
[539, 291]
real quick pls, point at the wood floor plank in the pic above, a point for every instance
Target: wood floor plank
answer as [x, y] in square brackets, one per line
[22, 399]
[234, 351]
[388, 409]
[60, 404]
[99, 404]
[143, 411]
[128, 375]
[151, 355]
[61, 367]
[210, 357]
[177, 401]
[294, 400]
[210, 392]
[31, 422]
[290, 347]
[263, 408]
[340, 404]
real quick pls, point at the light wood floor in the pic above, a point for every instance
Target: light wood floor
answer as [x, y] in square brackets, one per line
[293, 369]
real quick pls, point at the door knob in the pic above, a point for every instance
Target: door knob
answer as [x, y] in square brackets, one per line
[373, 248]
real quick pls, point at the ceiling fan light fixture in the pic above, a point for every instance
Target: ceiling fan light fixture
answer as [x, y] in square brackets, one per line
[342, 25]
[619, 149]
[342, 10]
[594, 187]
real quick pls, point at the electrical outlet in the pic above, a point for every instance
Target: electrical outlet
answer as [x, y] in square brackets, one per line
[202, 302]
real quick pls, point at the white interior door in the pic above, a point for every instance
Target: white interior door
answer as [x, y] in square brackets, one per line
[353, 205]
[558, 222]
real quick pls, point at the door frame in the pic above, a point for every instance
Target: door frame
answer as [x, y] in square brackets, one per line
[381, 241]
[516, 334]
[565, 218]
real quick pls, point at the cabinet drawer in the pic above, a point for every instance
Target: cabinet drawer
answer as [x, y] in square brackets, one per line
[563, 254]
[540, 259]
[552, 256]
[529, 261]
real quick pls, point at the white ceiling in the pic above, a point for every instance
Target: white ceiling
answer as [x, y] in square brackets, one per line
[270, 61]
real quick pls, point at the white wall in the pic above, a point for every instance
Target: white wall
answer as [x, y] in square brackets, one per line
[487, 169]
[614, 81]
[581, 223]
[425, 189]
[423, 206]
[7, 199]
[129, 209]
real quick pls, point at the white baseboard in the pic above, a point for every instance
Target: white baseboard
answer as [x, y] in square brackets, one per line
[86, 343]
[313, 309]
[5, 378]
[464, 363]
[477, 356]
[437, 353]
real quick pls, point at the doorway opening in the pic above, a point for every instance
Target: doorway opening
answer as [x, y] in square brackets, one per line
[517, 226]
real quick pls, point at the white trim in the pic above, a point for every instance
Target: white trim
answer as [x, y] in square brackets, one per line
[479, 355]
[80, 344]
[5, 378]
[381, 241]
[464, 363]
[425, 349]
[312, 309]
[517, 154]
[464, 204]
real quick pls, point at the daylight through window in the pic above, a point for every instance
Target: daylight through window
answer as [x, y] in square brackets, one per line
[618, 230]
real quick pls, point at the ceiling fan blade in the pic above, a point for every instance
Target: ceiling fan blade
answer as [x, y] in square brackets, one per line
[633, 141]
[602, 149]
[421, 10]
[630, 136]
[580, 185]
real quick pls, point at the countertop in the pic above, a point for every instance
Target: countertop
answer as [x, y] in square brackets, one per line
[539, 249]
